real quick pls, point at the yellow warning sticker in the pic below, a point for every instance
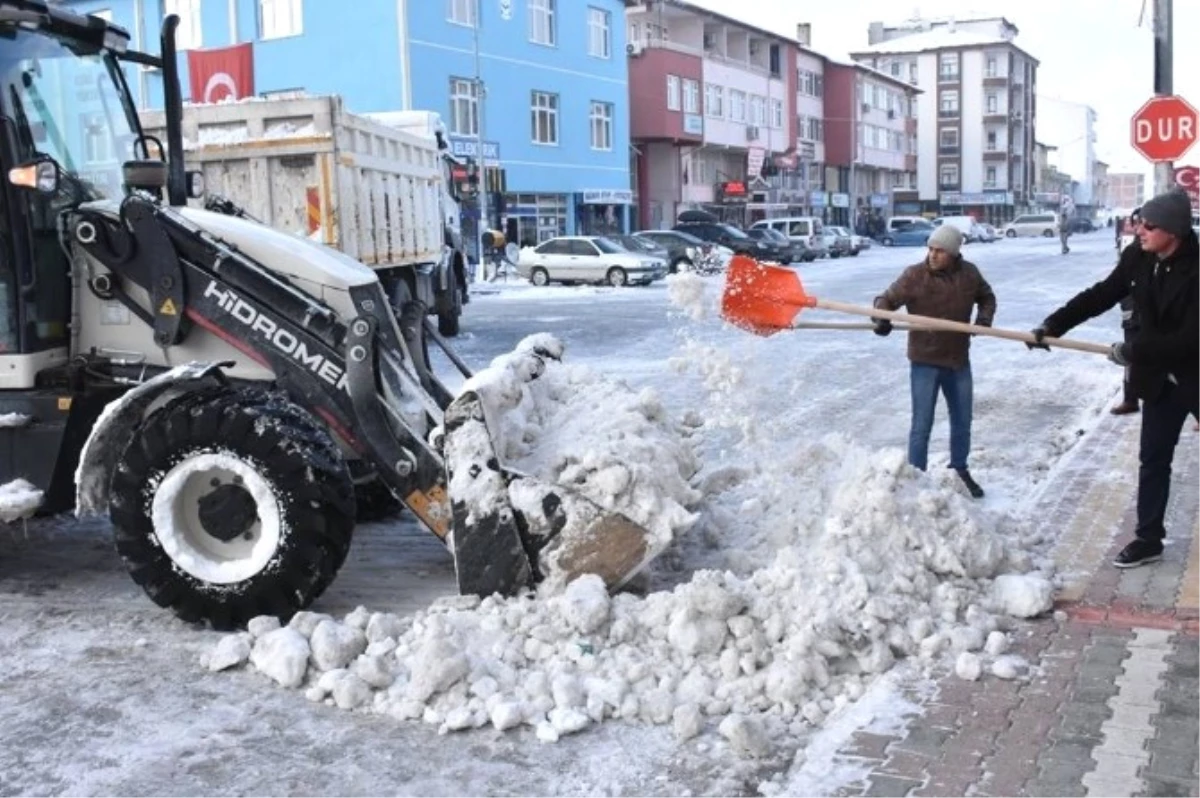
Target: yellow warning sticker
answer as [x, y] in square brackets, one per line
[64, 403]
[167, 308]
[433, 508]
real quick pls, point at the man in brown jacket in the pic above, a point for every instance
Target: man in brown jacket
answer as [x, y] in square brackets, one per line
[946, 287]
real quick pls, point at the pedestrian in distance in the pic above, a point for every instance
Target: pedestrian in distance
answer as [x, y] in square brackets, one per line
[1159, 273]
[946, 287]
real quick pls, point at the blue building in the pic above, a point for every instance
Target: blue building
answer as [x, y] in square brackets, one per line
[553, 76]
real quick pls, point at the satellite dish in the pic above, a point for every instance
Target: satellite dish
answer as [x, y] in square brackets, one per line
[512, 252]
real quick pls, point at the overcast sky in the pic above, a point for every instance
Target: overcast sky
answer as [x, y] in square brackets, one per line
[1091, 51]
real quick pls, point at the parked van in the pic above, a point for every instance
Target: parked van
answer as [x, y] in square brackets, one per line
[806, 229]
[966, 225]
[1033, 224]
[897, 223]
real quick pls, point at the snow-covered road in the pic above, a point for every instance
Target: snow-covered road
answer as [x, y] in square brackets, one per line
[104, 693]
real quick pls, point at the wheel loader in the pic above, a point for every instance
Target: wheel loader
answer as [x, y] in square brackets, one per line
[217, 387]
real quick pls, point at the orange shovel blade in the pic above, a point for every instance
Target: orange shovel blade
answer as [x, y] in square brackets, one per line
[762, 299]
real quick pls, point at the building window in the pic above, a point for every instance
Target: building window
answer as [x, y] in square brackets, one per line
[992, 102]
[279, 18]
[948, 104]
[541, 22]
[602, 126]
[948, 140]
[991, 141]
[599, 33]
[714, 100]
[948, 66]
[912, 71]
[990, 69]
[737, 105]
[810, 83]
[758, 110]
[691, 97]
[544, 117]
[463, 12]
[776, 114]
[672, 92]
[464, 107]
[187, 35]
[811, 128]
[948, 175]
[989, 179]
[774, 61]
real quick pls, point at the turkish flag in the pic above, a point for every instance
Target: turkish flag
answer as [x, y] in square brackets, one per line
[1188, 178]
[224, 73]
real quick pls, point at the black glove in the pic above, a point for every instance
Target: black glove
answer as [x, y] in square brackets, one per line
[882, 326]
[1039, 332]
[1119, 354]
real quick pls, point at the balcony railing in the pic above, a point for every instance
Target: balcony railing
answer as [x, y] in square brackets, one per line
[947, 149]
[948, 113]
[948, 77]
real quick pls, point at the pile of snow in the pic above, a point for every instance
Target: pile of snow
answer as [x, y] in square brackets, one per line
[810, 570]
[18, 499]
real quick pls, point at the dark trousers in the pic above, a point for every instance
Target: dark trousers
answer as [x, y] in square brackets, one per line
[1162, 421]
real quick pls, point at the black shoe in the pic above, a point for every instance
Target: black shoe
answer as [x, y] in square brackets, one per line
[1139, 552]
[972, 486]
[1125, 408]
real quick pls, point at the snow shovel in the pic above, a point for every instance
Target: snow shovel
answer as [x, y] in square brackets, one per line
[766, 299]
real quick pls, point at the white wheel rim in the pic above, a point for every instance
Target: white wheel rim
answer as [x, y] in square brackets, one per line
[175, 514]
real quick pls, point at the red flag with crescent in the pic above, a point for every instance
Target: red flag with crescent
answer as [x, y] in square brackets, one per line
[221, 74]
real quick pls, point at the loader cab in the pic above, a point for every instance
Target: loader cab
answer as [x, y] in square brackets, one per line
[64, 104]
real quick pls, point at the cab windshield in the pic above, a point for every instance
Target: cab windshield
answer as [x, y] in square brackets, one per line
[70, 106]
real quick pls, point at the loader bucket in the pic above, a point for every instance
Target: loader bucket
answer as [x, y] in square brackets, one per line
[513, 530]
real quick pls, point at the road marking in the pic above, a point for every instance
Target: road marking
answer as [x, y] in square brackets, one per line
[1123, 753]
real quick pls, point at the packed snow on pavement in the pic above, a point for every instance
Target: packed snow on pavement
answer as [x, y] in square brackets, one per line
[808, 566]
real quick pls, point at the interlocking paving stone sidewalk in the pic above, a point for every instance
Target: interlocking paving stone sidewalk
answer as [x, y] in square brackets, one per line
[1110, 706]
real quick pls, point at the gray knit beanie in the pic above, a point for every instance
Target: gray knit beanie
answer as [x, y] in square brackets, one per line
[1171, 211]
[947, 238]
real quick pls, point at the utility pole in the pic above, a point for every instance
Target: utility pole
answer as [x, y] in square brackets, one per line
[1164, 173]
[482, 185]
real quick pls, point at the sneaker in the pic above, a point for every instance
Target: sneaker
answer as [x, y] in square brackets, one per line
[972, 486]
[1139, 552]
[1124, 409]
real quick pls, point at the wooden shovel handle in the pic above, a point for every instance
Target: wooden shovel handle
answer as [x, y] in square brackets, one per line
[844, 325]
[932, 323]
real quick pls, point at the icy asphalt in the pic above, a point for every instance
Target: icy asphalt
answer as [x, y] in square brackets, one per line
[103, 693]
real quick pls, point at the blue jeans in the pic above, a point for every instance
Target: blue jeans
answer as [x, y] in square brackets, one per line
[957, 386]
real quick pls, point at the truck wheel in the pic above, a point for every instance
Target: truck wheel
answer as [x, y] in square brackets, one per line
[616, 277]
[539, 277]
[231, 505]
[448, 318]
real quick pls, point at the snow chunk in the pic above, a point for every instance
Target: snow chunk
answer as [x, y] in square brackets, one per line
[231, 651]
[968, 666]
[18, 499]
[261, 625]
[1009, 667]
[335, 645]
[746, 735]
[282, 655]
[586, 603]
[1023, 595]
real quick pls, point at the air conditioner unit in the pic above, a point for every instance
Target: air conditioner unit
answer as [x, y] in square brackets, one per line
[634, 49]
[866, 108]
[751, 132]
[891, 114]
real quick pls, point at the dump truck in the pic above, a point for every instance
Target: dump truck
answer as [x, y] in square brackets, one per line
[380, 193]
[219, 387]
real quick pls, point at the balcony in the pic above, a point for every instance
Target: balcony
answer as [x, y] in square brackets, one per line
[948, 149]
[910, 163]
[949, 77]
[995, 115]
[995, 154]
[995, 80]
[948, 113]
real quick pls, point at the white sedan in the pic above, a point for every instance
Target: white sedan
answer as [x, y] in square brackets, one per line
[588, 259]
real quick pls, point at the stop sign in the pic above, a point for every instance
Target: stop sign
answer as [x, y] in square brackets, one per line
[1164, 128]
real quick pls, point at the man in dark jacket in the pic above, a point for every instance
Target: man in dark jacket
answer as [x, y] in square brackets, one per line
[946, 287]
[1160, 273]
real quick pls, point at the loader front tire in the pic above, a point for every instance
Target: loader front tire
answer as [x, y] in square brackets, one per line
[232, 504]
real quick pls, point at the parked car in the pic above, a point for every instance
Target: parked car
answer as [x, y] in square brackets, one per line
[1033, 224]
[846, 242]
[896, 223]
[808, 229]
[790, 251]
[684, 251]
[911, 235]
[965, 224]
[729, 236]
[1080, 225]
[588, 259]
[988, 234]
[640, 246]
